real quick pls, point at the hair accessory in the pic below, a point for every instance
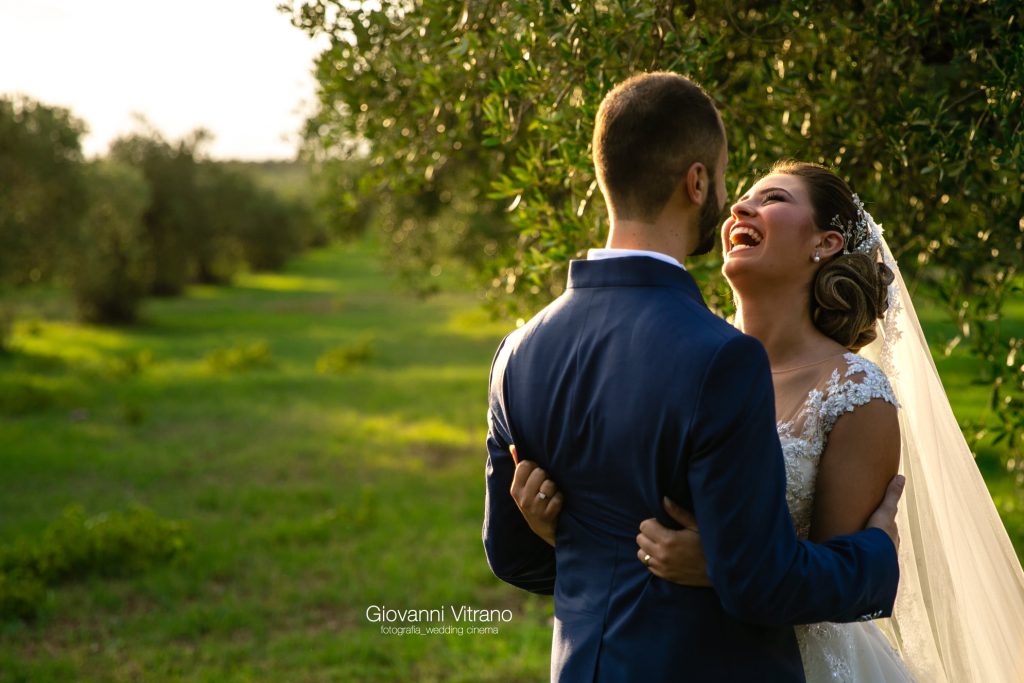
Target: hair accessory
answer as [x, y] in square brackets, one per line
[862, 236]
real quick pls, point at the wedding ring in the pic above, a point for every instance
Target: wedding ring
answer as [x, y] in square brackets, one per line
[647, 560]
[542, 495]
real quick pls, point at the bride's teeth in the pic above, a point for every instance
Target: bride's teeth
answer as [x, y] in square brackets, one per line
[736, 238]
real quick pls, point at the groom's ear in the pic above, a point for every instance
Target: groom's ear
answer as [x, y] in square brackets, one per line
[698, 183]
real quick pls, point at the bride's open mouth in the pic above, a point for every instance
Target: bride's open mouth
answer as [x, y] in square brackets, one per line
[743, 237]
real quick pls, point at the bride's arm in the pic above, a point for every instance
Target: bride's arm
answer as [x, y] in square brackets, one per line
[859, 462]
[862, 456]
[537, 497]
[675, 555]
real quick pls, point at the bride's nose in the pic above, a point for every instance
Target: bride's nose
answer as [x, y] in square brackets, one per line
[741, 209]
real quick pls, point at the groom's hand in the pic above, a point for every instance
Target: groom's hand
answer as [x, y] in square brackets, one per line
[538, 497]
[884, 517]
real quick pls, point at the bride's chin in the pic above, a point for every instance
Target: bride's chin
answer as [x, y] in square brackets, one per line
[740, 276]
[732, 265]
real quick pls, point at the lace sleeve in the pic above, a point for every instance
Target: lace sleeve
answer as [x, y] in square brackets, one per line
[862, 381]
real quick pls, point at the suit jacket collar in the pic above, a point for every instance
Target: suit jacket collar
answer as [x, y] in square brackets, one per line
[632, 271]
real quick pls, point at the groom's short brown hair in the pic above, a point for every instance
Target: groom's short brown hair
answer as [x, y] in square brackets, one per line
[650, 129]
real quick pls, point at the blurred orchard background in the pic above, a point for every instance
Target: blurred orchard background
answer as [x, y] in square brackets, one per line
[242, 390]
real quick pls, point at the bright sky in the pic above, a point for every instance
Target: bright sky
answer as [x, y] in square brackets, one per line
[236, 67]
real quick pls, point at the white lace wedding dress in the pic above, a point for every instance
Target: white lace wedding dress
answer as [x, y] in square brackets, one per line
[855, 652]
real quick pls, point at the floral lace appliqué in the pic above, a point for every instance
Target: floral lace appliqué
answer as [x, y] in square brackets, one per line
[826, 655]
[827, 649]
[804, 437]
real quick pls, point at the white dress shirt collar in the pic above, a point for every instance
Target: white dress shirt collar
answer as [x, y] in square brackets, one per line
[605, 253]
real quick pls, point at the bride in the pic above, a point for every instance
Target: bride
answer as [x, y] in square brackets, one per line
[812, 274]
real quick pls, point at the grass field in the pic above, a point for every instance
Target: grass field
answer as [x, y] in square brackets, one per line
[308, 495]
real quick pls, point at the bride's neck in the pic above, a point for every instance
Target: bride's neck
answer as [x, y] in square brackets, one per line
[781, 321]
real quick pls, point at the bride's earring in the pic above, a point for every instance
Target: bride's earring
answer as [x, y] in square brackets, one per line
[817, 256]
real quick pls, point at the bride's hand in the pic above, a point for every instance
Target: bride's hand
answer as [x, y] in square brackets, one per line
[673, 554]
[538, 497]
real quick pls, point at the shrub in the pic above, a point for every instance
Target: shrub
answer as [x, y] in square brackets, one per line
[240, 358]
[343, 358]
[20, 396]
[133, 414]
[21, 595]
[129, 365]
[76, 546]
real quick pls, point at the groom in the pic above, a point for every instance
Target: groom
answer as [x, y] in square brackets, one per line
[626, 389]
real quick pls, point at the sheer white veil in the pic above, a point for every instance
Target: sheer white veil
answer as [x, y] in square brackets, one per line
[959, 615]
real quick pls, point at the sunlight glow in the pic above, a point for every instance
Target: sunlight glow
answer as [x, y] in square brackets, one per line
[286, 283]
[236, 67]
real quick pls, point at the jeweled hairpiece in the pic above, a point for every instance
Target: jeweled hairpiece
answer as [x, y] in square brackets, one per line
[862, 236]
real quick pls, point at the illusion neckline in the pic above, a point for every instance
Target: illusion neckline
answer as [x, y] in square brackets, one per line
[809, 365]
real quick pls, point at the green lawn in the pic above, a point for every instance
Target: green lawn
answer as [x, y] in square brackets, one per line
[970, 399]
[308, 496]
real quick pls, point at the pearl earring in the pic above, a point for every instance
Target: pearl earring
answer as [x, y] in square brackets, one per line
[817, 256]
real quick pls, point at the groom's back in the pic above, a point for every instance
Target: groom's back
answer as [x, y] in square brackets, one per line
[601, 389]
[610, 377]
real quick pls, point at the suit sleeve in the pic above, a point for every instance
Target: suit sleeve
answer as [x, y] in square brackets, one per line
[761, 571]
[515, 554]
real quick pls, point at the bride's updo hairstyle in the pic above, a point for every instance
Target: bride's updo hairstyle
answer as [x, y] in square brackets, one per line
[850, 290]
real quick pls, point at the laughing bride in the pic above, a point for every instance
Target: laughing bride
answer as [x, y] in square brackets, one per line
[812, 274]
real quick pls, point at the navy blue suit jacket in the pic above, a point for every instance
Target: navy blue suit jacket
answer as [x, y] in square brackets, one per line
[625, 389]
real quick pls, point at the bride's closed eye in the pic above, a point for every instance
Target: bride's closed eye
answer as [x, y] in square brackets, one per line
[774, 196]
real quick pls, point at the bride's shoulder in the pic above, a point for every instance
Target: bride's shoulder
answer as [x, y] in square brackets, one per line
[859, 370]
[856, 382]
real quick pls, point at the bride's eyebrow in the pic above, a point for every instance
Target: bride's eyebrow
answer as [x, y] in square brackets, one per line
[766, 190]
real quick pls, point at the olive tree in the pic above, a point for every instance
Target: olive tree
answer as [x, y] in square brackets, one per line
[110, 273]
[475, 121]
[41, 191]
